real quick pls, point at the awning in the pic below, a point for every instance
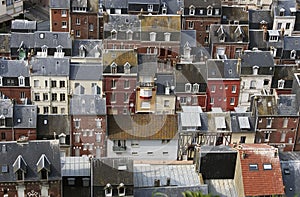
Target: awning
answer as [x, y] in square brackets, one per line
[244, 123]
[189, 119]
[220, 122]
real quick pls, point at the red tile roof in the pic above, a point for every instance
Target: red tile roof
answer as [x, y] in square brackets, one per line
[260, 182]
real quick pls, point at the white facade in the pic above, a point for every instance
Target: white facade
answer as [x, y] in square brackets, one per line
[50, 94]
[14, 7]
[285, 23]
[255, 4]
[165, 104]
[145, 149]
[88, 86]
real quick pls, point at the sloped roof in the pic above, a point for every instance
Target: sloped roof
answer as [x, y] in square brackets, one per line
[120, 57]
[287, 105]
[283, 72]
[227, 69]
[142, 126]
[258, 182]
[75, 166]
[222, 187]
[59, 4]
[23, 24]
[234, 13]
[14, 68]
[79, 3]
[229, 33]
[48, 125]
[92, 48]
[115, 4]
[6, 108]
[291, 43]
[25, 116]
[235, 123]
[256, 16]
[87, 72]
[123, 22]
[50, 66]
[87, 105]
[147, 65]
[202, 3]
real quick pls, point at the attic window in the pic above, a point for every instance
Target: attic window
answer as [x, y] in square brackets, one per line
[196, 88]
[192, 10]
[253, 167]
[286, 171]
[42, 35]
[4, 168]
[293, 54]
[267, 166]
[71, 181]
[281, 84]
[209, 10]
[150, 8]
[108, 190]
[129, 35]
[113, 34]
[188, 87]
[121, 190]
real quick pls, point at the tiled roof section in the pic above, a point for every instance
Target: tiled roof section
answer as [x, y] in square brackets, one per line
[287, 104]
[48, 125]
[50, 67]
[284, 72]
[229, 30]
[59, 4]
[5, 43]
[25, 116]
[23, 25]
[142, 126]
[180, 175]
[147, 65]
[234, 14]
[115, 4]
[87, 105]
[222, 187]
[123, 22]
[6, 108]
[258, 182]
[14, 68]
[120, 57]
[202, 3]
[106, 170]
[75, 166]
[87, 72]
[235, 124]
[79, 3]
[227, 69]
[92, 48]
[291, 43]
[31, 152]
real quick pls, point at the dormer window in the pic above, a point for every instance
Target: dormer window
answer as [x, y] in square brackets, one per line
[21, 81]
[43, 167]
[108, 190]
[293, 54]
[221, 34]
[20, 168]
[62, 138]
[167, 36]
[281, 84]
[281, 12]
[150, 8]
[209, 10]
[59, 49]
[1, 80]
[201, 12]
[188, 87]
[121, 189]
[98, 122]
[44, 50]
[113, 34]
[192, 10]
[196, 88]
[164, 9]
[217, 11]
[255, 70]
[82, 50]
[127, 68]
[239, 34]
[129, 35]
[77, 123]
[113, 68]
[152, 36]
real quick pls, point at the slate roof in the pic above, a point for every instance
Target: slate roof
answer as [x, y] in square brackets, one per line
[6, 108]
[17, 39]
[143, 2]
[79, 3]
[75, 166]
[258, 182]
[87, 105]
[14, 68]
[235, 123]
[202, 3]
[222, 187]
[291, 43]
[92, 48]
[47, 125]
[5, 43]
[285, 72]
[123, 22]
[188, 36]
[172, 6]
[286, 4]
[87, 72]
[287, 105]
[229, 33]
[147, 65]
[50, 66]
[25, 116]
[142, 126]
[106, 171]
[162, 81]
[115, 4]
[19, 24]
[232, 14]
[257, 16]
[31, 152]
[226, 69]
[59, 4]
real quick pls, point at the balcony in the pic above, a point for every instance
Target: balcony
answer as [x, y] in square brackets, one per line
[119, 148]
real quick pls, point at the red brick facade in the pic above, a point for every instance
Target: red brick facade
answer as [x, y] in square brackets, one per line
[16, 93]
[60, 21]
[85, 25]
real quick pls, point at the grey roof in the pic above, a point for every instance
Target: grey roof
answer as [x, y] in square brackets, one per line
[257, 41]
[115, 4]
[79, 3]
[222, 187]
[31, 152]
[232, 14]
[17, 39]
[75, 166]
[6, 108]
[180, 175]
[173, 6]
[290, 167]
[25, 116]
[5, 43]
[14, 68]
[257, 16]
[217, 121]
[59, 4]
[123, 22]
[202, 3]
[235, 123]
[228, 30]
[147, 64]
[162, 81]
[19, 24]
[143, 2]
[286, 5]
[227, 69]
[87, 105]
[284, 72]
[291, 43]
[48, 125]
[92, 48]
[87, 72]
[287, 104]
[50, 67]
[188, 36]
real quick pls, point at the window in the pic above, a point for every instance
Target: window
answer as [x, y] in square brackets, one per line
[113, 67]
[20, 175]
[243, 139]
[37, 96]
[113, 83]
[287, 25]
[126, 84]
[98, 137]
[281, 84]
[85, 182]
[279, 25]
[217, 11]
[126, 97]
[285, 123]
[253, 167]
[267, 166]
[166, 103]
[98, 122]
[77, 21]
[269, 123]
[191, 24]
[54, 97]
[46, 83]
[195, 88]
[3, 136]
[183, 100]
[62, 84]
[71, 181]
[266, 82]
[36, 83]
[45, 97]
[4, 168]
[77, 33]
[54, 110]
[63, 13]
[233, 89]
[192, 10]
[113, 34]
[212, 100]
[121, 190]
[91, 27]
[209, 10]
[46, 111]
[188, 87]
[282, 138]
[253, 84]
[232, 100]
[53, 84]
[129, 35]
[152, 36]
[206, 39]
[267, 137]
[77, 123]
[21, 81]
[150, 8]
[293, 54]
[207, 27]
[213, 88]
[62, 97]
[64, 24]
[201, 12]
[113, 97]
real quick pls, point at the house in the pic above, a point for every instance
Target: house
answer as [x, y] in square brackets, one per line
[55, 126]
[168, 179]
[88, 125]
[276, 120]
[24, 26]
[228, 41]
[112, 177]
[257, 70]
[119, 80]
[6, 121]
[115, 7]
[14, 80]
[290, 51]
[290, 165]
[223, 83]
[199, 15]
[142, 136]
[49, 90]
[256, 163]
[30, 168]
[76, 176]
[87, 51]
[59, 16]
[140, 6]
[5, 45]
[84, 20]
